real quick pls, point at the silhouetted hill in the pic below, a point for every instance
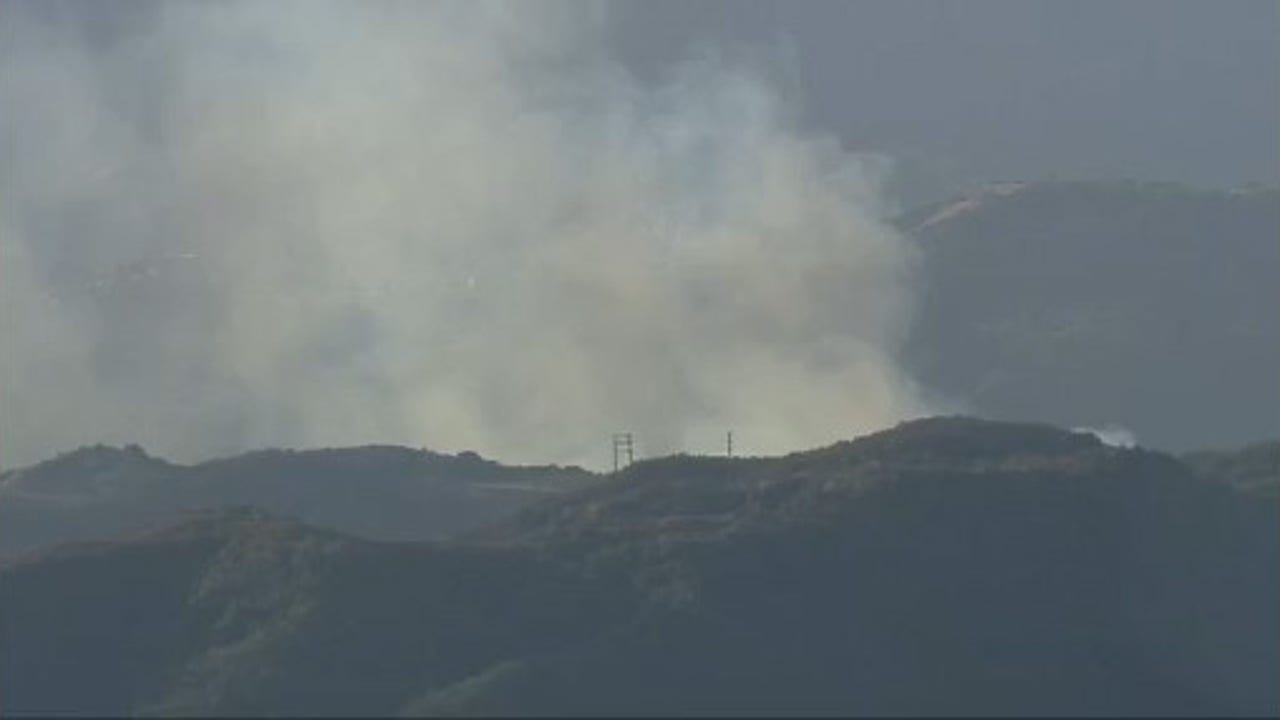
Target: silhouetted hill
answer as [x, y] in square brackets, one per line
[946, 566]
[1146, 305]
[240, 613]
[378, 492]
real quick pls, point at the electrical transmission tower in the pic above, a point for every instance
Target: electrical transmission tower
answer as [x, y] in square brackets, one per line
[622, 445]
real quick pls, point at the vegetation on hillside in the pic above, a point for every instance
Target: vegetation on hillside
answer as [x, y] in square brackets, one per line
[947, 566]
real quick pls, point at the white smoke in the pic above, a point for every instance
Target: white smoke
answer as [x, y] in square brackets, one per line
[462, 226]
[1113, 435]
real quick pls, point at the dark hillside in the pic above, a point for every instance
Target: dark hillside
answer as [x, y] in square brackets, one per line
[947, 566]
[1255, 468]
[377, 492]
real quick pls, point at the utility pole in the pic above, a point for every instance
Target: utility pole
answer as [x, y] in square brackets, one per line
[729, 444]
[622, 445]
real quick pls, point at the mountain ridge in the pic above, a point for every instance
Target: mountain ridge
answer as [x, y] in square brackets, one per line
[943, 566]
[379, 491]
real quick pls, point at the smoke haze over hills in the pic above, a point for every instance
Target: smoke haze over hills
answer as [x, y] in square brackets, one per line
[461, 226]
[403, 269]
[518, 228]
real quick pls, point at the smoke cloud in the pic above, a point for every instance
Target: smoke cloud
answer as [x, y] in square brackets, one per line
[460, 226]
[1113, 435]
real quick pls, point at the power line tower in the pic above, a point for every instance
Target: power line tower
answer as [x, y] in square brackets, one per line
[622, 445]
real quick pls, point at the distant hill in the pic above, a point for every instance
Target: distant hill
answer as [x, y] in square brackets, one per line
[947, 566]
[376, 492]
[1255, 468]
[1147, 305]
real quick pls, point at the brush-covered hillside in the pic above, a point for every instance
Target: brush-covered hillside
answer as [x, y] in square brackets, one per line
[1145, 305]
[946, 566]
[377, 492]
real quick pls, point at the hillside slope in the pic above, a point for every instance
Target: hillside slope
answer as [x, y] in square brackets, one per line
[947, 566]
[1255, 468]
[1145, 305]
[377, 492]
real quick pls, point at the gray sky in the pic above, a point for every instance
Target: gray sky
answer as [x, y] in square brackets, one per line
[994, 89]
[963, 92]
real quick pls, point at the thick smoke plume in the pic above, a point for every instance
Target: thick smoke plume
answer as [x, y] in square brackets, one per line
[459, 226]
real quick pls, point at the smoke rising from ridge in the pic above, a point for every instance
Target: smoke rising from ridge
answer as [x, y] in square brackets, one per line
[229, 226]
[1111, 434]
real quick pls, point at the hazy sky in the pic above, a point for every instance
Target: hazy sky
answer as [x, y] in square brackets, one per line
[960, 91]
[1018, 89]
[519, 228]
[460, 226]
